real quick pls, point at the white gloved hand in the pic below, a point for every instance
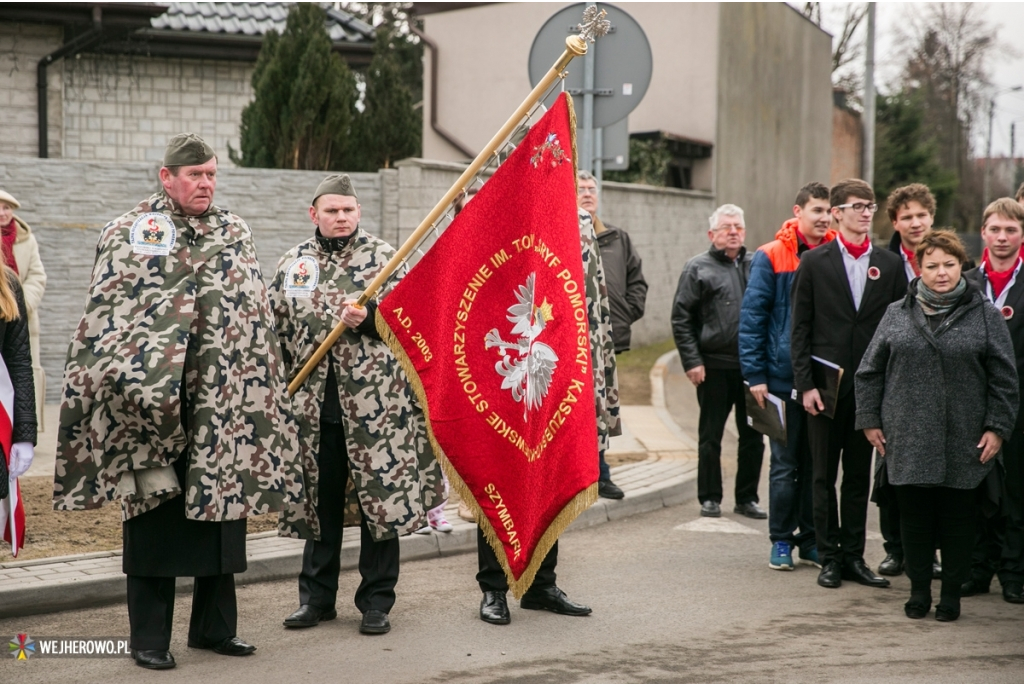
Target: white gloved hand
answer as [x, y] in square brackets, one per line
[21, 458]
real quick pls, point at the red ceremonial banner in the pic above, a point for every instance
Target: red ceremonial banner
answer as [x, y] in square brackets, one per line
[491, 326]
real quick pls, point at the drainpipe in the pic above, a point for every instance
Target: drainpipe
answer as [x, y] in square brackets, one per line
[438, 129]
[78, 44]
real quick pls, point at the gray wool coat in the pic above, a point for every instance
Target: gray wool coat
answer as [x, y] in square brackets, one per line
[935, 394]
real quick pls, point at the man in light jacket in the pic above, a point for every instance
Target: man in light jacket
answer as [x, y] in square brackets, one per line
[705, 324]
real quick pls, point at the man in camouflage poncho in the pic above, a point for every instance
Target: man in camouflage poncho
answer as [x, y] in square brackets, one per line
[544, 593]
[172, 403]
[357, 413]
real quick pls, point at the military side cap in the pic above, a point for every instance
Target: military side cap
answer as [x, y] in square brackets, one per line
[187, 149]
[335, 184]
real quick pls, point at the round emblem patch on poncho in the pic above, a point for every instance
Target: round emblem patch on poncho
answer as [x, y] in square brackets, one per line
[153, 234]
[302, 277]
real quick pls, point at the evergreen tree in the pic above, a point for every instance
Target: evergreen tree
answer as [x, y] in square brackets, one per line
[390, 126]
[907, 153]
[303, 110]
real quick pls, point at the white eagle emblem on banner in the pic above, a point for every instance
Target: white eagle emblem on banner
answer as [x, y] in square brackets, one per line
[526, 366]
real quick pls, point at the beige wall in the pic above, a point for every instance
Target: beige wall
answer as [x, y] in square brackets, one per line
[21, 48]
[775, 111]
[126, 108]
[847, 145]
[477, 92]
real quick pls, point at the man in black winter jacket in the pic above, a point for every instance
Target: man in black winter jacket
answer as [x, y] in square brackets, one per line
[627, 289]
[705, 324]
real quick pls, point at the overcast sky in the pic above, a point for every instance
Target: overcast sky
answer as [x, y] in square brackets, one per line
[1007, 71]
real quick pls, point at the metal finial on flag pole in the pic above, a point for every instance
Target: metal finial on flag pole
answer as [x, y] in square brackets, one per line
[594, 25]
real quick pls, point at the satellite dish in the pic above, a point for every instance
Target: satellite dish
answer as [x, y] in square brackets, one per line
[622, 62]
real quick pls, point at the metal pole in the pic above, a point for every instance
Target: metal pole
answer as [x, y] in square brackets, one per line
[988, 152]
[599, 158]
[1013, 142]
[587, 152]
[869, 99]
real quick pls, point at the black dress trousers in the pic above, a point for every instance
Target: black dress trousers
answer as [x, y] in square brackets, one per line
[161, 545]
[840, 524]
[721, 391]
[321, 559]
[999, 544]
[492, 578]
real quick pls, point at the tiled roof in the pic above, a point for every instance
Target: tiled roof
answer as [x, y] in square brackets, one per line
[254, 19]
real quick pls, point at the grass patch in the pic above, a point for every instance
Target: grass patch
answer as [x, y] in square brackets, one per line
[634, 368]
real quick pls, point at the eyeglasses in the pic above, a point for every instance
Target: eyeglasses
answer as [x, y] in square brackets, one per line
[859, 207]
[584, 190]
[728, 228]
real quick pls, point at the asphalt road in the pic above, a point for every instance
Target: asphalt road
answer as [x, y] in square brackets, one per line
[696, 604]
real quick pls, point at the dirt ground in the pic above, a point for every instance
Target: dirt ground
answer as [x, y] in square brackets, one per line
[635, 372]
[52, 533]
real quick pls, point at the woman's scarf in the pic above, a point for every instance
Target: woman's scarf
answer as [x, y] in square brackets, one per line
[8, 236]
[933, 303]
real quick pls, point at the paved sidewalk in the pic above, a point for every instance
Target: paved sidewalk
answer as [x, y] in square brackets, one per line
[665, 478]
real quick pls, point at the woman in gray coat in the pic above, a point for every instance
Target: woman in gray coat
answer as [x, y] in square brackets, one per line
[937, 396]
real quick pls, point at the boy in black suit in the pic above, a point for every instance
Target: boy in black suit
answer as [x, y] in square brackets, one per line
[840, 293]
[1000, 545]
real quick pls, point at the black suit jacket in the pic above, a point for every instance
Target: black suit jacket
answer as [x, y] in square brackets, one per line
[1015, 322]
[824, 321]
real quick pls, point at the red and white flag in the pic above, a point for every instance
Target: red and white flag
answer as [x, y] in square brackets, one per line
[12, 511]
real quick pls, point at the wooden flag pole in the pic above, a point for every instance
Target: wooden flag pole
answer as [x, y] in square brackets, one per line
[575, 46]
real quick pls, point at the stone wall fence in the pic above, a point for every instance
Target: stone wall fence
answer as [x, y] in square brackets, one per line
[67, 203]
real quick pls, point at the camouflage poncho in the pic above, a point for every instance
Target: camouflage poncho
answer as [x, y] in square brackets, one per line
[392, 466]
[182, 301]
[602, 347]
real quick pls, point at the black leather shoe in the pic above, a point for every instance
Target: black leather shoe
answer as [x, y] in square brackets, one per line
[375, 622]
[892, 565]
[830, 575]
[936, 569]
[751, 510]
[494, 608]
[552, 599]
[609, 490]
[974, 587]
[947, 612]
[231, 646]
[711, 508]
[859, 572]
[918, 607]
[1013, 593]
[308, 616]
[156, 659]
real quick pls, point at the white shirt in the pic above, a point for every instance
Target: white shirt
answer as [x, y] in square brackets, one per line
[856, 271]
[907, 266]
[1001, 300]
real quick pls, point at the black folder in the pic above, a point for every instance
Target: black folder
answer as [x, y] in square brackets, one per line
[771, 420]
[827, 377]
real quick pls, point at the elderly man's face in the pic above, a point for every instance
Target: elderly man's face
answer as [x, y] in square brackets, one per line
[192, 187]
[586, 195]
[728, 234]
[6, 213]
[336, 215]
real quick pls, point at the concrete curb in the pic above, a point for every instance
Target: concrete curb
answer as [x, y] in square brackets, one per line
[653, 484]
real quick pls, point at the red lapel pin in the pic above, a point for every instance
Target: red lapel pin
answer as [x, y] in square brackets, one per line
[874, 273]
[1007, 312]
